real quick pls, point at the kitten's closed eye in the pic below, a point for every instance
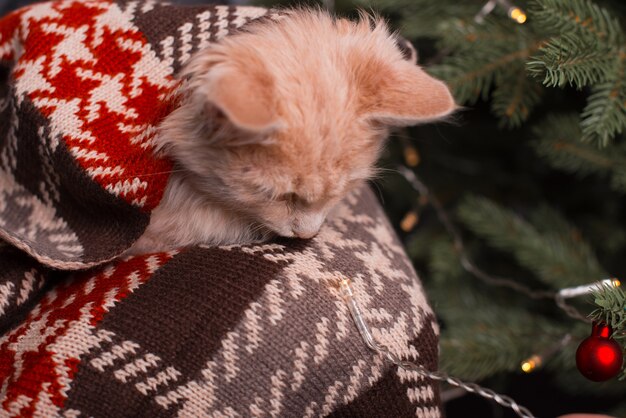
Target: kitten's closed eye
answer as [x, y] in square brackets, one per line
[291, 198]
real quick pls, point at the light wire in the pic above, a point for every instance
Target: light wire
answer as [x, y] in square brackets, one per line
[370, 341]
[469, 266]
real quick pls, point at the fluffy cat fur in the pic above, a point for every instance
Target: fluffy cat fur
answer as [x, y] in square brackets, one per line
[278, 122]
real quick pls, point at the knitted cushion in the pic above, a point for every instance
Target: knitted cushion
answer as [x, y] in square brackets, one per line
[242, 331]
[254, 330]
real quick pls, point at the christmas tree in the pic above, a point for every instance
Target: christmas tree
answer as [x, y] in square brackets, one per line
[522, 196]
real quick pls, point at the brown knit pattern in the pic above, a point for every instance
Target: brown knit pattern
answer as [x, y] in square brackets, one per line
[238, 331]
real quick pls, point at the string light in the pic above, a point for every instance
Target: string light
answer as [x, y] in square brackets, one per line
[411, 156]
[409, 221]
[517, 15]
[537, 360]
[487, 8]
[571, 292]
[364, 330]
[530, 364]
[514, 12]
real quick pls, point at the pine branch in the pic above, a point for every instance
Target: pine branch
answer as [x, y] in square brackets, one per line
[471, 73]
[464, 33]
[444, 263]
[588, 51]
[490, 56]
[560, 260]
[550, 221]
[496, 337]
[514, 96]
[565, 61]
[605, 113]
[422, 18]
[582, 17]
[559, 143]
[612, 303]
[486, 348]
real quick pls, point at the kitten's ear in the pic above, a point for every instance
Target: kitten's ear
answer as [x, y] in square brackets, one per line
[245, 97]
[405, 95]
[409, 52]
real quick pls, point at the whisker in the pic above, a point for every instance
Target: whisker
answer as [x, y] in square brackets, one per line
[256, 226]
[403, 136]
[260, 229]
[377, 171]
[380, 193]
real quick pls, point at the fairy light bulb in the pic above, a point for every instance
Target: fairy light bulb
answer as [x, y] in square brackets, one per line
[570, 292]
[517, 15]
[409, 221]
[345, 289]
[530, 364]
[411, 156]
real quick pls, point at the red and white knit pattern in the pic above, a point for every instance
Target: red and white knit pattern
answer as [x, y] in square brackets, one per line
[47, 347]
[93, 75]
[88, 83]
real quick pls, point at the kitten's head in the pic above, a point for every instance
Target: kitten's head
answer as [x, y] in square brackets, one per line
[281, 121]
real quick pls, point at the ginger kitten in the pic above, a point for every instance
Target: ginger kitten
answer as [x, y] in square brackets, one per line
[278, 122]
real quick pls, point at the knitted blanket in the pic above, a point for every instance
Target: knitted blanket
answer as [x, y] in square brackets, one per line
[255, 330]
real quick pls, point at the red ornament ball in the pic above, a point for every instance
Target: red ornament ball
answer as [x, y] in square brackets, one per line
[599, 357]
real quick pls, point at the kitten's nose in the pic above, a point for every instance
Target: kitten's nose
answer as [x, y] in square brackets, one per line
[305, 234]
[307, 226]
